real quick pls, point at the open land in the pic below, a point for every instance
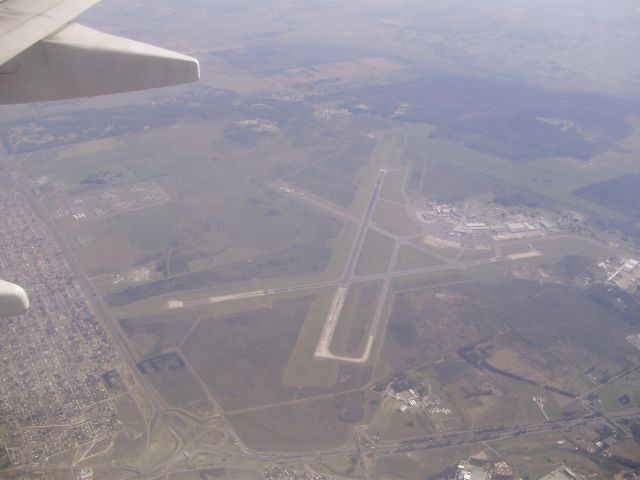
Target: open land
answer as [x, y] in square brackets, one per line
[327, 259]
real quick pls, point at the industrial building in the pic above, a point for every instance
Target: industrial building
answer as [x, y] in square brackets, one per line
[468, 471]
[562, 473]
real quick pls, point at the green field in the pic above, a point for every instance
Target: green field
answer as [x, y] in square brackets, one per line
[154, 334]
[333, 178]
[446, 252]
[375, 254]
[353, 330]
[303, 426]
[179, 388]
[623, 394]
[393, 218]
[392, 187]
[538, 455]
[242, 358]
[556, 248]
[303, 370]
[410, 258]
[476, 254]
[219, 472]
[265, 168]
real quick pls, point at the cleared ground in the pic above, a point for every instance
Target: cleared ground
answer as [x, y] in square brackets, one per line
[242, 358]
[410, 258]
[305, 426]
[375, 254]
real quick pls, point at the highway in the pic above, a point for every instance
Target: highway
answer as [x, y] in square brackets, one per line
[186, 442]
[171, 465]
[157, 405]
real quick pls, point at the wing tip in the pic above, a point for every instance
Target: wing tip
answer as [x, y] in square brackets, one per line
[13, 299]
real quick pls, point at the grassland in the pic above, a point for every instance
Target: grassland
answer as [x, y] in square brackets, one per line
[406, 425]
[303, 426]
[419, 331]
[132, 441]
[242, 358]
[154, 334]
[476, 254]
[179, 388]
[227, 227]
[307, 258]
[198, 227]
[538, 455]
[623, 394]
[351, 335]
[399, 467]
[556, 248]
[303, 369]
[456, 172]
[333, 177]
[410, 257]
[375, 255]
[393, 218]
[514, 249]
[447, 252]
[419, 465]
[392, 189]
[429, 323]
[219, 472]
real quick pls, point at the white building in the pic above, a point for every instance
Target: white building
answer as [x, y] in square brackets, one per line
[562, 473]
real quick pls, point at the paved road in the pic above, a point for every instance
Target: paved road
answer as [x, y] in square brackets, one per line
[356, 278]
[356, 249]
[118, 338]
[323, 348]
[427, 442]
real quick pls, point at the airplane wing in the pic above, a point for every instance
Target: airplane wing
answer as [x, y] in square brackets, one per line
[45, 57]
[13, 299]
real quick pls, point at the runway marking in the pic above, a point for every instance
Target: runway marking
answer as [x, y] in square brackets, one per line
[173, 304]
[522, 256]
[323, 349]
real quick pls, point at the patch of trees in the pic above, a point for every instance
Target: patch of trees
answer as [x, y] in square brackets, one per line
[478, 359]
[619, 194]
[404, 332]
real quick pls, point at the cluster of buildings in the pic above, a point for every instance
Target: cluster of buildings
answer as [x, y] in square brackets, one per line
[562, 473]
[277, 473]
[257, 125]
[333, 113]
[86, 474]
[290, 190]
[55, 357]
[622, 272]
[112, 201]
[411, 400]
[474, 219]
[501, 470]
[481, 470]
[401, 111]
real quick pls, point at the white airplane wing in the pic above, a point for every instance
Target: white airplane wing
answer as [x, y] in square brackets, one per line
[13, 299]
[45, 57]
